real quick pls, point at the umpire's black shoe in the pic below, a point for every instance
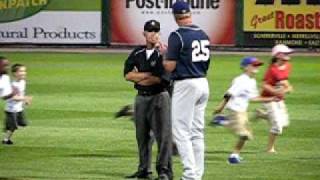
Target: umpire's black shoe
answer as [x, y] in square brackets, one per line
[163, 177]
[8, 142]
[140, 175]
[124, 111]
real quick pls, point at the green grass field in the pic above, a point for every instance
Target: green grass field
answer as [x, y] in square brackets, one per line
[72, 133]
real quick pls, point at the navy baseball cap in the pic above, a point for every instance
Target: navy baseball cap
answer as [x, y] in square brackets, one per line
[250, 60]
[152, 26]
[180, 7]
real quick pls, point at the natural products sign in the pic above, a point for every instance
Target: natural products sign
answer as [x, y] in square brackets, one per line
[50, 21]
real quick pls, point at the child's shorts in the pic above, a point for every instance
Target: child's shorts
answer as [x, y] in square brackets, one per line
[14, 120]
[278, 116]
[239, 124]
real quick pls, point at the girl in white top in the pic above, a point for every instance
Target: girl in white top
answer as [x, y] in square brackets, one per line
[236, 100]
[15, 105]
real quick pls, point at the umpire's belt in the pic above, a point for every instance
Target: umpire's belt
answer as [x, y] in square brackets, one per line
[148, 93]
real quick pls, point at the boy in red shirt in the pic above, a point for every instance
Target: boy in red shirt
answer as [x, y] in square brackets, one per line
[276, 83]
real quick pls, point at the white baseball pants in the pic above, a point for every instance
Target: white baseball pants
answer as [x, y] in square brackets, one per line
[189, 100]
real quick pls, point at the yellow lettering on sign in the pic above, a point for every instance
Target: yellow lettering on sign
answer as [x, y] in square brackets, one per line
[12, 3]
[28, 3]
[43, 2]
[20, 3]
[35, 2]
[3, 5]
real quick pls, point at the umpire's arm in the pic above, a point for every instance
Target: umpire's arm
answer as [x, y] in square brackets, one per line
[131, 72]
[137, 76]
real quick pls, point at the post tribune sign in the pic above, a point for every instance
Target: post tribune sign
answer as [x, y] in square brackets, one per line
[44, 22]
[215, 17]
[291, 22]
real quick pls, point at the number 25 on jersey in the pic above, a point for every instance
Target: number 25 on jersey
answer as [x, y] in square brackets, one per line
[200, 50]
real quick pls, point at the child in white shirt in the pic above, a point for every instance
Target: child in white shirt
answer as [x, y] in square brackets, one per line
[14, 109]
[236, 100]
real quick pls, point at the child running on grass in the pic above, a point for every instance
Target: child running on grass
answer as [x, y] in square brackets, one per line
[236, 100]
[14, 109]
[276, 83]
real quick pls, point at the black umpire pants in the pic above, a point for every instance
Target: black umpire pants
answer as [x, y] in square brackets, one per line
[152, 113]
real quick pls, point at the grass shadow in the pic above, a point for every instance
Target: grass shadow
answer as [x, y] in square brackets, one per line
[228, 152]
[9, 178]
[104, 155]
[111, 174]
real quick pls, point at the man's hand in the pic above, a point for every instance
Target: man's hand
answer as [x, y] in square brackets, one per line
[163, 48]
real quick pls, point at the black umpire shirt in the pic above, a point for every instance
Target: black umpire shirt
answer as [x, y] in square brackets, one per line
[138, 60]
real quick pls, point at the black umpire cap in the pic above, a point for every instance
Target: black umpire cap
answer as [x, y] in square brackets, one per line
[152, 26]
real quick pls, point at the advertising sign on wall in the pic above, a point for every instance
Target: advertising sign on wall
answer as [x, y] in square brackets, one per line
[215, 17]
[49, 22]
[294, 22]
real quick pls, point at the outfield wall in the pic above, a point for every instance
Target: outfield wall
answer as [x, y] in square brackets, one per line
[236, 23]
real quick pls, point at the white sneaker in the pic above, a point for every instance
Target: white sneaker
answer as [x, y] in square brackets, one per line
[234, 159]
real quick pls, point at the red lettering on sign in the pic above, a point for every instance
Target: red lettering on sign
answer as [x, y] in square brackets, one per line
[309, 21]
[300, 21]
[297, 21]
[279, 20]
[317, 20]
[290, 21]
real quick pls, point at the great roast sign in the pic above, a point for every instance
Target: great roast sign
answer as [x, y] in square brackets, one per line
[292, 22]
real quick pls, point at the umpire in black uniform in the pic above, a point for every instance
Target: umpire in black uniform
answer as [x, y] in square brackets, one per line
[152, 103]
